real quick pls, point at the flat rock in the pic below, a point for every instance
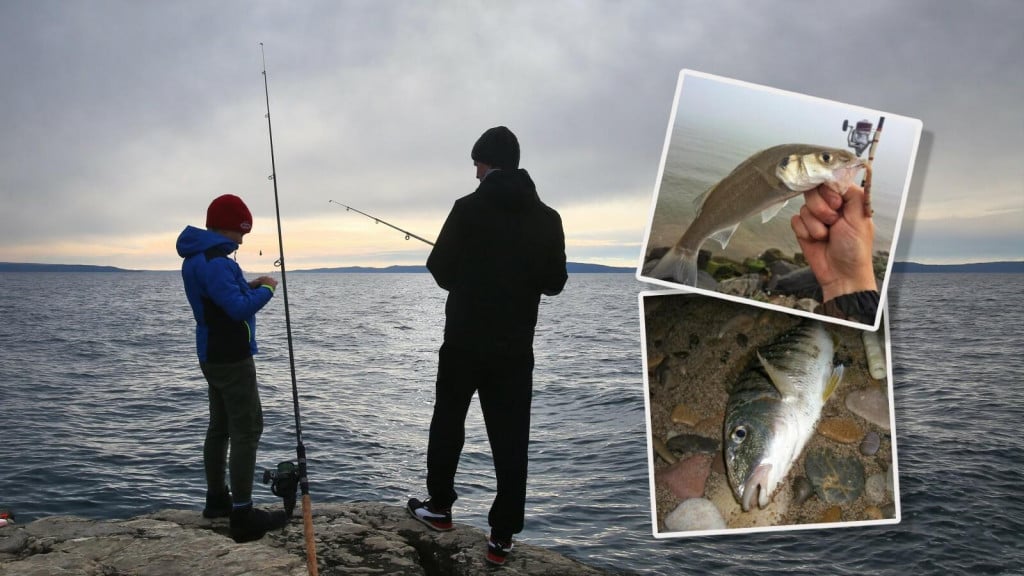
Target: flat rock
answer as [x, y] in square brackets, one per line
[686, 478]
[836, 479]
[871, 404]
[844, 430]
[352, 538]
[683, 414]
[694, 514]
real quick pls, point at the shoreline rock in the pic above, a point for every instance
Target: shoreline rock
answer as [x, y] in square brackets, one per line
[351, 538]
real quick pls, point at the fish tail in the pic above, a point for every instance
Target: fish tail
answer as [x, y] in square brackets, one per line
[679, 264]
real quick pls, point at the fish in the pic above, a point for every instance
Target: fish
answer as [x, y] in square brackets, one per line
[763, 183]
[773, 409]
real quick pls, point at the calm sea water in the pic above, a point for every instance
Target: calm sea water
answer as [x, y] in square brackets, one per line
[103, 413]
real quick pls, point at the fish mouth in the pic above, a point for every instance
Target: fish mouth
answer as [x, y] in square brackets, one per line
[756, 487]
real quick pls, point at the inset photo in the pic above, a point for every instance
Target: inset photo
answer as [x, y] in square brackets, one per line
[760, 420]
[779, 199]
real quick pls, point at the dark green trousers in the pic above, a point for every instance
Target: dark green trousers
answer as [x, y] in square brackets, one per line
[236, 421]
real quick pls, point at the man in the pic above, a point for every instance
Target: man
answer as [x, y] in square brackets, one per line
[498, 251]
[224, 305]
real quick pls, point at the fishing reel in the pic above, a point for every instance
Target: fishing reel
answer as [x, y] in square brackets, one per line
[860, 137]
[284, 482]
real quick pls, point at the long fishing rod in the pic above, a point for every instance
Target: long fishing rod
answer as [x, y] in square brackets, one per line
[379, 221]
[300, 449]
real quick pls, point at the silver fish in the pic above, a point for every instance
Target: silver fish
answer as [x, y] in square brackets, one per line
[773, 408]
[762, 183]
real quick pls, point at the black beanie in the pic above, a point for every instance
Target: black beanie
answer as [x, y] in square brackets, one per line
[497, 147]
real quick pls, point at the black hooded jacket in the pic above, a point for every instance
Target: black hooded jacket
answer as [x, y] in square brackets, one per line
[499, 250]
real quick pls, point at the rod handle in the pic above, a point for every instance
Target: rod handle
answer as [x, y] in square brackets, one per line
[307, 530]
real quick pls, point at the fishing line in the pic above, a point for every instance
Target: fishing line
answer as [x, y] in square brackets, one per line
[866, 184]
[300, 449]
[379, 221]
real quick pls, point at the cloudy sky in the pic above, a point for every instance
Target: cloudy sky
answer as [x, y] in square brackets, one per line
[121, 120]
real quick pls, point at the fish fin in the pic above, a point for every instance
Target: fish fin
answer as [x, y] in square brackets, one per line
[770, 212]
[677, 264]
[778, 378]
[723, 236]
[833, 382]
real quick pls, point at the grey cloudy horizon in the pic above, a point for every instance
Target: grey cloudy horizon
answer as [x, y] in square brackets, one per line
[120, 121]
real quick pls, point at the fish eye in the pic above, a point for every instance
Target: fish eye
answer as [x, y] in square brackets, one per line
[826, 157]
[784, 163]
[739, 434]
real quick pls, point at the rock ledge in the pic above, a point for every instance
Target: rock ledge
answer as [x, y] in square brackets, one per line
[352, 538]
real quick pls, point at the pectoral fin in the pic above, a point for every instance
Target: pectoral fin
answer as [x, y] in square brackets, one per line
[770, 212]
[833, 382]
[723, 236]
[779, 378]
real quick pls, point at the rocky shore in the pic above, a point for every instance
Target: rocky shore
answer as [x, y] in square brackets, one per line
[351, 538]
[771, 276]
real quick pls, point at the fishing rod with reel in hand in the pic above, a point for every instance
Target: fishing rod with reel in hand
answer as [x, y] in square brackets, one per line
[288, 474]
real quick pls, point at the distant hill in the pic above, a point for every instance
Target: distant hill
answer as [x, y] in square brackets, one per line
[980, 267]
[29, 267]
[571, 267]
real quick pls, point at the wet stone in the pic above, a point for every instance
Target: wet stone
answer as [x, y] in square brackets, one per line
[692, 443]
[802, 490]
[871, 404]
[836, 479]
[875, 488]
[832, 514]
[873, 513]
[686, 478]
[871, 443]
[842, 430]
[683, 414]
[694, 514]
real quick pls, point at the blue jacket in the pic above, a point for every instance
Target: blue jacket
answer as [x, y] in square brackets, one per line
[223, 304]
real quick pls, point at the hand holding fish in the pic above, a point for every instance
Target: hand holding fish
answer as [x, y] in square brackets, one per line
[836, 238]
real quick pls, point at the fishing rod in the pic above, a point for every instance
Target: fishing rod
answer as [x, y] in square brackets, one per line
[379, 221]
[866, 184]
[300, 449]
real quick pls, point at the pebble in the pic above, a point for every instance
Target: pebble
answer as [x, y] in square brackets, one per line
[836, 479]
[873, 513]
[802, 490]
[871, 443]
[889, 510]
[806, 304]
[743, 286]
[686, 478]
[875, 488]
[871, 404]
[694, 514]
[683, 414]
[844, 430]
[832, 514]
[691, 443]
[654, 360]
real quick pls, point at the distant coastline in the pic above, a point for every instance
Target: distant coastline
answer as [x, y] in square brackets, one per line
[1006, 267]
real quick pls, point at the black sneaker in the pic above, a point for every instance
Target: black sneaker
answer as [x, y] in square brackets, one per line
[434, 519]
[498, 550]
[218, 505]
[248, 523]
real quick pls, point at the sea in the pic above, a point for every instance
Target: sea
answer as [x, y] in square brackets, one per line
[103, 412]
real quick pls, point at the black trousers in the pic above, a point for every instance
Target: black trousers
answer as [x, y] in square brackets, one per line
[504, 384]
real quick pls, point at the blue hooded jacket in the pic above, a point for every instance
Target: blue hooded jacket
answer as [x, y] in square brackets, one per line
[223, 303]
